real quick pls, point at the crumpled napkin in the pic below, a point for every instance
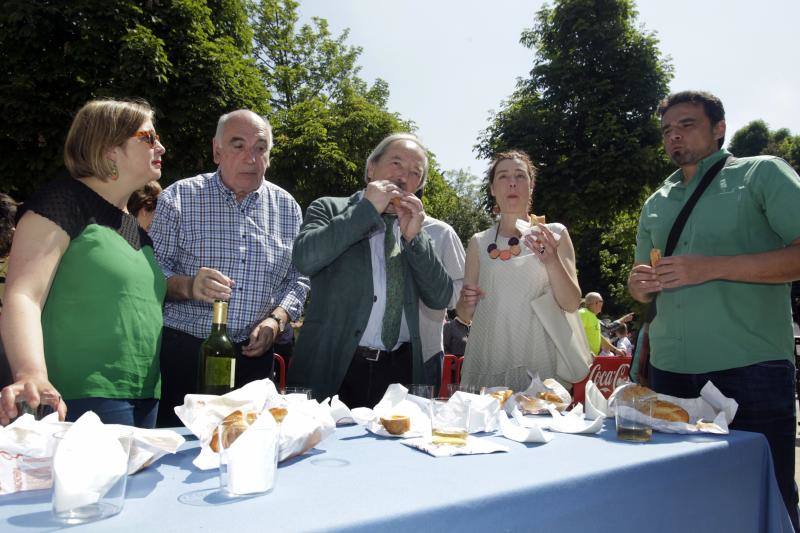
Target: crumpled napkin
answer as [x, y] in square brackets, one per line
[30, 444]
[573, 421]
[88, 461]
[339, 411]
[306, 424]
[474, 446]
[251, 460]
[523, 430]
[595, 405]
[395, 401]
[711, 412]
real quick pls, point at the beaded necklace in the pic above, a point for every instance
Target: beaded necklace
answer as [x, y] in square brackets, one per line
[513, 249]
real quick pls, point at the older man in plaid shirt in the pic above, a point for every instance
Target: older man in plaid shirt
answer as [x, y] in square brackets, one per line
[226, 235]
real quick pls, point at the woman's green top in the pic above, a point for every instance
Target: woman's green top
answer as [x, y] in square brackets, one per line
[103, 316]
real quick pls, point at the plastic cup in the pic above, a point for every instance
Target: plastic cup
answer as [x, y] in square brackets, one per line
[249, 465]
[632, 414]
[421, 390]
[71, 507]
[302, 391]
[449, 422]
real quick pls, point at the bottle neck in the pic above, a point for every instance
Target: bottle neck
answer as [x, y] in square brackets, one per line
[219, 318]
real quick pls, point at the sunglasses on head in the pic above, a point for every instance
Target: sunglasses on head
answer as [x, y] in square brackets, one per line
[149, 136]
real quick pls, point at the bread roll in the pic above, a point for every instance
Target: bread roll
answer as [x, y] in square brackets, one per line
[550, 396]
[502, 395]
[655, 257]
[278, 413]
[230, 428]
[670, 412]
[396, 424]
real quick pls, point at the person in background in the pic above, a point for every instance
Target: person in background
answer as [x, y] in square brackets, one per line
[508, 341]
[448, 248]
[8, 214]
[82, 276]
[455, 335]
[723, 308]
[591, 324]
[621, 340]
[226, 235]
[142, 203]
[370, 265]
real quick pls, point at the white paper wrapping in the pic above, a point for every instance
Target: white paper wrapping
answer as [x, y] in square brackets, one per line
[306, 424]
[474, 446]
[712, 412]
[88, 461]
[27, 447]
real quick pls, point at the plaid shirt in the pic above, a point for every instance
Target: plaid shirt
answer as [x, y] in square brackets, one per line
[199, 223]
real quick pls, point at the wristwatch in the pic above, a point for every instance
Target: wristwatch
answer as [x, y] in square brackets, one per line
[281, 323]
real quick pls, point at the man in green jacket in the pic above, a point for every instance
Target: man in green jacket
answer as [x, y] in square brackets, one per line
[370, 263]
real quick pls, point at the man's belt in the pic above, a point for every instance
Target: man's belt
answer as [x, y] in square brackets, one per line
[376, 354]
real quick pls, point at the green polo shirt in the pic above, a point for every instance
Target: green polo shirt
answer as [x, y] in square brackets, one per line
[752, 206]
[592, 326]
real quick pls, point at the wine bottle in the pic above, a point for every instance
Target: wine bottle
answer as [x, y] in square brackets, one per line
[217, 368]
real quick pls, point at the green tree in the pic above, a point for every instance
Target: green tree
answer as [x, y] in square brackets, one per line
[751, 140]
[456, 198]
[755, 138]
[326, 118]
[188, 58]
[586, 117]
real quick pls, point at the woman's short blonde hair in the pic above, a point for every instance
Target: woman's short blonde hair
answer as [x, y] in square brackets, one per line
[97, 127]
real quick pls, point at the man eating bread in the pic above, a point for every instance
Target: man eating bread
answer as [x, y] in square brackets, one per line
[722, 286]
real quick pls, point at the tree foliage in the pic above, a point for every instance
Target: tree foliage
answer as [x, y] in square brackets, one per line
[456, 198]
[755, 138]
[586, 117]
[186, 57]
[326, 118]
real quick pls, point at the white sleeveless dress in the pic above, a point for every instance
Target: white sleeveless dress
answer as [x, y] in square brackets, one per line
[507, 341]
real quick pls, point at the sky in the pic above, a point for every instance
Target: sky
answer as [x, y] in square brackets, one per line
[449, 63]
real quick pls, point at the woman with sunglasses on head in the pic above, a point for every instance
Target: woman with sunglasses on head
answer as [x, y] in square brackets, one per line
[505, 273]
[82, 309]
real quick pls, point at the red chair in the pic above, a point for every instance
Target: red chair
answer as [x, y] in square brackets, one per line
[450, 373]
[458, 368]
[280, 372]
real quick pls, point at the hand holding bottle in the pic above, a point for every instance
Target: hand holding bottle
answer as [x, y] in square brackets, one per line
[210, 284]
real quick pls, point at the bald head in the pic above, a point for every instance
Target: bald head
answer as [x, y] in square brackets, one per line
[594, 302]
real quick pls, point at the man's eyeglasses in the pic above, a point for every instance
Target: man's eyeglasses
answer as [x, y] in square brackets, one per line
[150, 137]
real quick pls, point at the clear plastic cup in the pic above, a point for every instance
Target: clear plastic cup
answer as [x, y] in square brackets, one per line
[77, 505]
[248, 466]
[449, 422]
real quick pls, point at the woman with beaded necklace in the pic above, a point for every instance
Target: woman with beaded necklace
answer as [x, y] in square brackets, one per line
[508, 342]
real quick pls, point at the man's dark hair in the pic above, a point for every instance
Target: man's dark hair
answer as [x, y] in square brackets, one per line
[712, 106]
[8, 212]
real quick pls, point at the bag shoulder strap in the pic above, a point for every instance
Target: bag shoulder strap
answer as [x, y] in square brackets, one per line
[683, 216]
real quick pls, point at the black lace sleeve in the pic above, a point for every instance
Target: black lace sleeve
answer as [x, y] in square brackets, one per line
[61, 202]
[72, 205]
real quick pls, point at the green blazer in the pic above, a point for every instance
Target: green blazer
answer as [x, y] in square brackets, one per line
[332, 248]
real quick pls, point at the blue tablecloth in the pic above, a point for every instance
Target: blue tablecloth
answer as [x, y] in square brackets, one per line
[356, 482]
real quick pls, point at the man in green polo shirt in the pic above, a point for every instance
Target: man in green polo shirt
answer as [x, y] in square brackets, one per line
[724, 293]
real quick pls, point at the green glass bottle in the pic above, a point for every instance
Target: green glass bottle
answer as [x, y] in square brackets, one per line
[217, 369]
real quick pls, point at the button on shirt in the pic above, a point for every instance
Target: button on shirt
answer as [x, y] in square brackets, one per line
[751, 207]
[199, 223]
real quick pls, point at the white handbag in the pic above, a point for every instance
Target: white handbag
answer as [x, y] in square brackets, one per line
[566, 330]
